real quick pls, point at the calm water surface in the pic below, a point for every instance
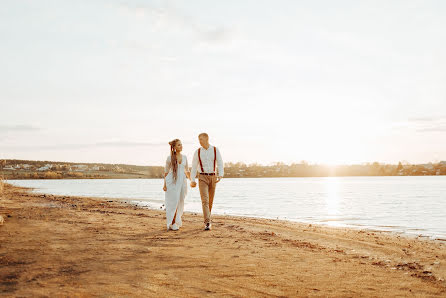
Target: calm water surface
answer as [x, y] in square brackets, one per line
[413, 205]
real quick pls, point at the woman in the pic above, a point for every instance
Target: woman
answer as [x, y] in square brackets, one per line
[175, 184]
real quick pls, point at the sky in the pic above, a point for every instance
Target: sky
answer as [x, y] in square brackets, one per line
[334, 82]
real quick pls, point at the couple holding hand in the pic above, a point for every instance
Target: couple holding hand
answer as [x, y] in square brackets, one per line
[208, 163]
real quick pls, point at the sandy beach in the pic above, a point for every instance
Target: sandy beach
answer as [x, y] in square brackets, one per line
[72, 246]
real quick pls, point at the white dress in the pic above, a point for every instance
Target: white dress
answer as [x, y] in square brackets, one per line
[176, 191]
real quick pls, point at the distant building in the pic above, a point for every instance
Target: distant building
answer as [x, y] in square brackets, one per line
[80, 168]
[45, 168]
[428, 166]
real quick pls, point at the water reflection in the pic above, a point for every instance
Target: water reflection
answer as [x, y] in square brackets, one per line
[332, 197]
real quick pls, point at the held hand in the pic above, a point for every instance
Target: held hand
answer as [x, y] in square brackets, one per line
[218, 179]
[164, 188]
[193, 184]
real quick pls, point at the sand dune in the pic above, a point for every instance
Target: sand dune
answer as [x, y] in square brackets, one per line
[56, 245]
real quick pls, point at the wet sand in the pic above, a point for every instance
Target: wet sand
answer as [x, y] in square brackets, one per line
[74, 246]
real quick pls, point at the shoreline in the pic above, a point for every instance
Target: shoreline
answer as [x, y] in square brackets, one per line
[84, 245]
[226, 177]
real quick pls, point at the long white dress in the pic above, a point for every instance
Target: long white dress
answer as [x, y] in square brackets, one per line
[176, 191]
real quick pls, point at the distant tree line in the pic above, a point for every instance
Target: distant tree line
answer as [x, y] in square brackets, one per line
[28, 169]
[304, 169]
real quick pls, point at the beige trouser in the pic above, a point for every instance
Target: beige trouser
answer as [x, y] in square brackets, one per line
[207, 185]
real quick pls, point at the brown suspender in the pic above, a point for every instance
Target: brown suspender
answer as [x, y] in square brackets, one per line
[215, 158]
[199, 158]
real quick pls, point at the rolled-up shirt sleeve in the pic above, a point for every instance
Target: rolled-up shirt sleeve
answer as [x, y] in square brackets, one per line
[220, 165]
[186, 168]
[193, 171]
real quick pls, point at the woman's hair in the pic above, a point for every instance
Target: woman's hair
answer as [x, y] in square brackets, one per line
[173, 158]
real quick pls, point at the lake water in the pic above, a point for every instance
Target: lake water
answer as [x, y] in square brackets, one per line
[412, 205]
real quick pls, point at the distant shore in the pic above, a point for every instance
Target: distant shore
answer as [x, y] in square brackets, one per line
[30, 169]
[6, 177]
[61, 245]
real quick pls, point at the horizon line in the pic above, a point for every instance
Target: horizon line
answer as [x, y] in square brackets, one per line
[403, 162]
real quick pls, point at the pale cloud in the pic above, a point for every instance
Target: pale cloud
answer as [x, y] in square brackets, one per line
[85, 145]
[10, 132]
[102, 144]
[167, 18]
[428, 123]
[18, 128]
[428, 119]
[434, 128]
[421, 119]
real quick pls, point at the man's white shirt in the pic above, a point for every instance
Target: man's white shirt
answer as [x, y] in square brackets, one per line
[207, 160]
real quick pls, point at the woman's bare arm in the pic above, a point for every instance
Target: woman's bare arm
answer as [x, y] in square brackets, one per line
[165, 186]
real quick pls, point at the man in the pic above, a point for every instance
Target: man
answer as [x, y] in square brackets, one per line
[207, 160]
